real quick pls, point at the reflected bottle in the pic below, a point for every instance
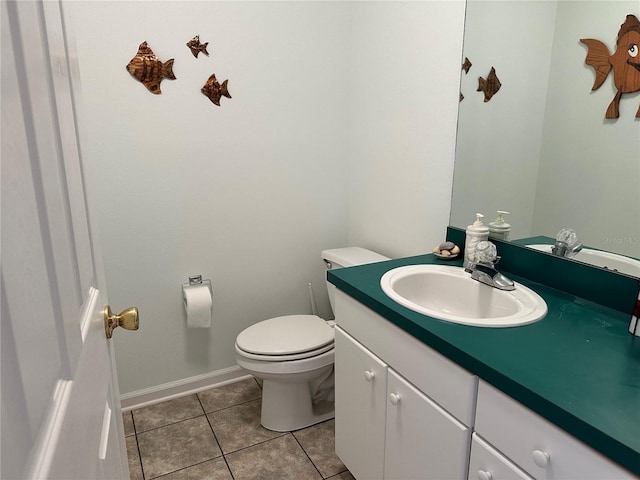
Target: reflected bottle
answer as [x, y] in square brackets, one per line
[500, 229]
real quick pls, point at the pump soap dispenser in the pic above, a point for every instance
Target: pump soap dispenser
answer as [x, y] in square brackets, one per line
[499, 228]
[476, 233]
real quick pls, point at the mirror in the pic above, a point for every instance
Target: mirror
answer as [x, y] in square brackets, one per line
[541, 148]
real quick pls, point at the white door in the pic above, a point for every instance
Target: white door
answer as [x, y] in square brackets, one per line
[61, 416]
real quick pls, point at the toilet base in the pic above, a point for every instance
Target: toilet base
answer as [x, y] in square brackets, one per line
[288, 406]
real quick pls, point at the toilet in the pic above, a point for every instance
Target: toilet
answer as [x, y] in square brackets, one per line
[293, 356]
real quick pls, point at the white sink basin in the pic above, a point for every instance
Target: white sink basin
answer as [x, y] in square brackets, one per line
[449, 293]
[597, 258]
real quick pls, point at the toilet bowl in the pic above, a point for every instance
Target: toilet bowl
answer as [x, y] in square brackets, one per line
[293, 355]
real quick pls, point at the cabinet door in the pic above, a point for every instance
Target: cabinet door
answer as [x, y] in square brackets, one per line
[422, 440]
[488, 464]
[361, 384]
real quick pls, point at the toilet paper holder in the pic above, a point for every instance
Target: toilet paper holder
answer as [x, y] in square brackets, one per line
[197, 280]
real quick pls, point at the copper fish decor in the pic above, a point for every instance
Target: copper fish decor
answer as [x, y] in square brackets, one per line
[146, 68]
[625, 63]
[466, 66]
[214, 91]
[490, 86]
[197, 47]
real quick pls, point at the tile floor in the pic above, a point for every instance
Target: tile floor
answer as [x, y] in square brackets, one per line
[216, 434]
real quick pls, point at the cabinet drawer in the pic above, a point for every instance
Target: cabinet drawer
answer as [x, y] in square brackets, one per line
[488, 464]
[444, 381]
[539, 447]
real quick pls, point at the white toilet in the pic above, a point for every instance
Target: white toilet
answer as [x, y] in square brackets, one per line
[293, 355]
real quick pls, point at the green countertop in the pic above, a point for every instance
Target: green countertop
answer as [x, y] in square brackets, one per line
[578, 367]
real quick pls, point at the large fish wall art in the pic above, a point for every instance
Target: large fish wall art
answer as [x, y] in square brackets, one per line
[147, 69]
[214, 91]
[625, 63]
[196, 47]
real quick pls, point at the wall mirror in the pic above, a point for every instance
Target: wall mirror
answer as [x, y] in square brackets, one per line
[541, 148]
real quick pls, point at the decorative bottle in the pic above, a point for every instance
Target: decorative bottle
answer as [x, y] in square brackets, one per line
[477, 232]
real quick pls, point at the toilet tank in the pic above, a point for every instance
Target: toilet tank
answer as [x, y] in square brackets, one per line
[347, 257]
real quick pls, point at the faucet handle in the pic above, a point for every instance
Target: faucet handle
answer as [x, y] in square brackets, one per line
[568, 236]
[486, 252]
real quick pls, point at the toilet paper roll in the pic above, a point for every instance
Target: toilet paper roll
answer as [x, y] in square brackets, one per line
[197, 304]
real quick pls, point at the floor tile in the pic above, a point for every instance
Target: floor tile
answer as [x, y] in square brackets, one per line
[319, 443]
[239, 427]
[135, 468]
[176, 446]
[165, 413]
[229, 395]
[212, 470]
[127, 420]
[343, 476]
[281, 458]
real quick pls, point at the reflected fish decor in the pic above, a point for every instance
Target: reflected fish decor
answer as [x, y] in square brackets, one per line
[490, 86]
[196, 47]
[214, 91]
[625, 63]
[147, 69]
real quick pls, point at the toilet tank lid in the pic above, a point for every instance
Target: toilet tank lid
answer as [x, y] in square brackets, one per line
[350, 256]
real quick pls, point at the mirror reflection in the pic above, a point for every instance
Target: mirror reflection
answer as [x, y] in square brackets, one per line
[541, 147]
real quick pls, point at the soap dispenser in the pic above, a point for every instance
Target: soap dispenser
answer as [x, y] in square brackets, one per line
[477, 232]
[499, 228]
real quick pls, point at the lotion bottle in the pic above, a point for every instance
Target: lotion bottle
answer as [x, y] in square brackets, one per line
[476, 233]
[499, 228]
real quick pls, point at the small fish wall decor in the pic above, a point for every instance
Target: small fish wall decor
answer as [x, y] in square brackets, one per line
[147, 69]
[466, 66]
[214, 90]
[490, 86]
[196, 47]
[625, 63]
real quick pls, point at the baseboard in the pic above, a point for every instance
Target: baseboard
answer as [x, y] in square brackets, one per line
[169, 391]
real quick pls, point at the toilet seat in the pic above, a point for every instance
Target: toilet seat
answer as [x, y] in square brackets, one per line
[291, 337]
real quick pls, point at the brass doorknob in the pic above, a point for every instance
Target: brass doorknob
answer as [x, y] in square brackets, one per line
[127, 319]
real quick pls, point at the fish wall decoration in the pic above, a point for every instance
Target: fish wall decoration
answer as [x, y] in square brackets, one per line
[196, 47]
[214, 90]
[625, 63]
[146, 68]
[490, 86]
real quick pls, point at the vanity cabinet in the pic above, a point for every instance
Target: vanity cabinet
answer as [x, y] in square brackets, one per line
[388, 424]
[487, 463]
[536, 445]
[405, 411]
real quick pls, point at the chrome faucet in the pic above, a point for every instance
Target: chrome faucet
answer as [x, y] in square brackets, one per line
[567, 244]
[483, 268]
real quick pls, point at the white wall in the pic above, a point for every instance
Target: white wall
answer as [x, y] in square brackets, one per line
[489, 175]
[249, 193]
[589, 175]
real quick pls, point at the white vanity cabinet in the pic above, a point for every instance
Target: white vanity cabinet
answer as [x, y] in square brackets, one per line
[361, 386]
[389, 423]
[539, 447]
[487, 463]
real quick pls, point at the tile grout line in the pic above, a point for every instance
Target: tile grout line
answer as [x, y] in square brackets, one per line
[135, 433]
[307, 455]
[224, 457]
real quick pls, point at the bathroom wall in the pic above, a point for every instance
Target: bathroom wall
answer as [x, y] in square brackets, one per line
[336, 105]
[598, 159]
